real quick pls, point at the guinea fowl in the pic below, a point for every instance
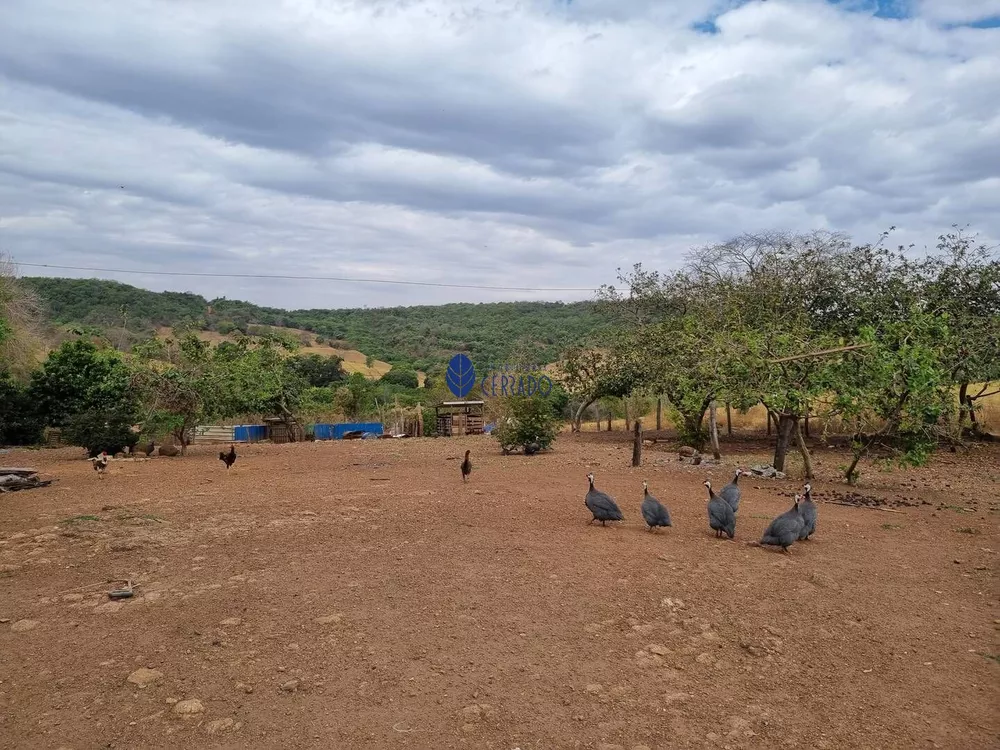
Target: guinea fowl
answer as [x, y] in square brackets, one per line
[601, 505]
[146, 450]
[721, 517]
[731, 492]
[653, 511]
[466, 466]
[808, 508]
[531, 449]
[785, 529]
[228, 458]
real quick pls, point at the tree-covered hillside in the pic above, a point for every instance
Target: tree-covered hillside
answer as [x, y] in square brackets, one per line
[424, 335]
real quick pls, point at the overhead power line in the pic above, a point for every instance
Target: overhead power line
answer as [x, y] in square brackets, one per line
[308, 278]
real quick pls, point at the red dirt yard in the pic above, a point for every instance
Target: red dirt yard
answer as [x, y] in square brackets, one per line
[358, 595]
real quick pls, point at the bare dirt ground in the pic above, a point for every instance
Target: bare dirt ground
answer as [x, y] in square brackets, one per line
[358, 595]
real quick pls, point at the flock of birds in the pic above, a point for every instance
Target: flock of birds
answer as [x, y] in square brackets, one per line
[101, 460]
[796, 524]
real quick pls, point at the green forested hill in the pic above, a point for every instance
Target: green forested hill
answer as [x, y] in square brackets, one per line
[424, 335]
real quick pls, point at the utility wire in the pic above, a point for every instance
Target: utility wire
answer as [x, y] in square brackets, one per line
[309, 278]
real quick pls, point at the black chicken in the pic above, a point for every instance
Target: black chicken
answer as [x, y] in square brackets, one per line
[228, 458]
[466, 466]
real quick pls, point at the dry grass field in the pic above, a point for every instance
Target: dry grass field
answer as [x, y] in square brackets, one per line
[357, 594]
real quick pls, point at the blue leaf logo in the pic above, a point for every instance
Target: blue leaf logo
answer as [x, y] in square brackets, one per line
[461, 376]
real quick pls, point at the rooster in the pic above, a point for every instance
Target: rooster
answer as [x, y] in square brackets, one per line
[228, 458]
[101, 463]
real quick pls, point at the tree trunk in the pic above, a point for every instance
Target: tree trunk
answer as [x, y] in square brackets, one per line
[181, 436]
[659, 414]
[637, 444]
[729, 420]
[420, 420]
[597, 418]
[807, 425]
[713, 431]
[769, 423]
[963, 395]
[610, 415]
[628, 422]
[803, 449]
[578, 417]
[786, 424]
[851, 475]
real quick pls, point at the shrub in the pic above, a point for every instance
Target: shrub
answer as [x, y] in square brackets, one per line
[405, 378]
[525, 419]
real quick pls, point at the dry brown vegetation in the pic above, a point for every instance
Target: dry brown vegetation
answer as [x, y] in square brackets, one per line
[354, 361]
[357, 595]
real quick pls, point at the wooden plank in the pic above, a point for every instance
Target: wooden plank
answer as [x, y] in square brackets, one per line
[21, 472]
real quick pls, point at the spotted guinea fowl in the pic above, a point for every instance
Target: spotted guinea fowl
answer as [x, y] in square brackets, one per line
[228, 458]
[601, 505]
[808, 508]
[466, 466]
[721, 517]
[653, 511]
[731, 492]
[784, 530]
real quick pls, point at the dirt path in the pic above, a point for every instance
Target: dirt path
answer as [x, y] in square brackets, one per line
[358, 595]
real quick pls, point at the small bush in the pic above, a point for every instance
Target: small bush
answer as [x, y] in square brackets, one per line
[523, 420]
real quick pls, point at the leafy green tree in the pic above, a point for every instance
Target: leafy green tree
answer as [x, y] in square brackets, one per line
[402, 377]
[317, 371]
[588, 375]
[894, 393]
[20, 423]
[20, 323]
[179, 385]
[962, 281]
[102, 430]
[78, 377]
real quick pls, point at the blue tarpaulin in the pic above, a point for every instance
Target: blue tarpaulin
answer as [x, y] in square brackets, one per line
[337, 431]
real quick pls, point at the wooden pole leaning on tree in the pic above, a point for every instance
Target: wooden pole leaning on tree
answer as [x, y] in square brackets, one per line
[713, 427]
[637, 444]
[821, 353]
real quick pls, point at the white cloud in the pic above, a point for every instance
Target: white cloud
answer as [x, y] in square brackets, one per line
[492, 142]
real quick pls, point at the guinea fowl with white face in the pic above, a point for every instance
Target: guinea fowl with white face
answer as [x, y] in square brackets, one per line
[731, 492]
[601, 505]
[785, 529]
[653, 511]
[721, 517]
[808, 508]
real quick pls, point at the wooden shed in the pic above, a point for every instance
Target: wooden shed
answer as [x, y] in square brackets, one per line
[459, 418]
[278, 431]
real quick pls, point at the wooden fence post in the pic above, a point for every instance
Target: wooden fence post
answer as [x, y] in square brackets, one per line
[729, 420]
[637, 444]
[659, 413]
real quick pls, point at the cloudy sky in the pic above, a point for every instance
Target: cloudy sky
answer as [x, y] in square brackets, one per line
[511, 143]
